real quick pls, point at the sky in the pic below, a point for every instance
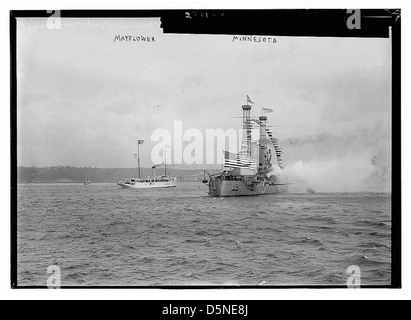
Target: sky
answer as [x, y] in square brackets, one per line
[84, 99]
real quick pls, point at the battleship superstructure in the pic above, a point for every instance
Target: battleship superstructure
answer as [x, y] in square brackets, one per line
[251, 171]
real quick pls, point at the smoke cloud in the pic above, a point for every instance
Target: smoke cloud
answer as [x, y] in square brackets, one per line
[352, 173]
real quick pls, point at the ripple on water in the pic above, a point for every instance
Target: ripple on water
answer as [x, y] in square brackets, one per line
[109, 236]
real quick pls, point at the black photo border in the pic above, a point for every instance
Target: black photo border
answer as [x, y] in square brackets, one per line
[375, 23]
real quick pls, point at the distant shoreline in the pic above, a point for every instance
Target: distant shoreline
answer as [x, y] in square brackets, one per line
[69, 174]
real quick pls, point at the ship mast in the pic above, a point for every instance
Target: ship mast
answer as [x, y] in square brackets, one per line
[165, 161]
[246, 130]
[138, 159]
[263, 142]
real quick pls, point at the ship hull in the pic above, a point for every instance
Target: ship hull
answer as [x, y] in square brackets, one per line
[240, 188]
[148, 185]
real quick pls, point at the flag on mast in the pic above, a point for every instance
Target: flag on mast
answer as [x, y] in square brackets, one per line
[140, 141]
[249, 100]
[235, 160]
[267, 110]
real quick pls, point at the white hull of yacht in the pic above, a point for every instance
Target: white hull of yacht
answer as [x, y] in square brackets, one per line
[148, 185]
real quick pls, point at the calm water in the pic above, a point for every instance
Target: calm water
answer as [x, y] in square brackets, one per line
[102, 235]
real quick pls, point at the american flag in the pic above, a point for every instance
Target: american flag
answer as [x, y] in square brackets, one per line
[235, 160]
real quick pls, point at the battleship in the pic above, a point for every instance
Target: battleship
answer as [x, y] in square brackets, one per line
[162, 181]
[254, 170]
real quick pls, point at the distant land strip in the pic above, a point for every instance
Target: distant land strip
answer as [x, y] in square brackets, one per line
[68, 174]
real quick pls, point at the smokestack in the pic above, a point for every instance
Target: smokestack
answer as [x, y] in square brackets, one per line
[247, 129]
[263, 142]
